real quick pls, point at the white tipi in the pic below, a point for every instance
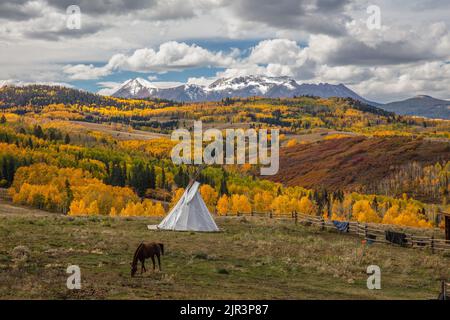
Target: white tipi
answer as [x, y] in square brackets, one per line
[190, 213]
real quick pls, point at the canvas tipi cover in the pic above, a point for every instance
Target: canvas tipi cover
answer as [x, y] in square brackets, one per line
[190, 213]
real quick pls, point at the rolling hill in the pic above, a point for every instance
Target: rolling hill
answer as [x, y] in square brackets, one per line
[354, 162]
[38, 95]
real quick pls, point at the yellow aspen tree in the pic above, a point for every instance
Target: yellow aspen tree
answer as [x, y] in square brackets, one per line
[78, 208]
[209, 195]
[306, 206]
[113, 212]
[337, 211]
[391, 214]
[159, 210]
[363, 212]
[92, 209]
[223, 205]
[177, 196]
[244, 204]
[240, 203]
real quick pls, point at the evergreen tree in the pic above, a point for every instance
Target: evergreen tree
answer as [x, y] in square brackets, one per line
[223, 189]
[152, 178]
[69, 197]
[38, 132]
[163, 178]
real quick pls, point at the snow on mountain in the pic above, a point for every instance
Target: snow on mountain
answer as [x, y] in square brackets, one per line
[243, 87]
[136, 88]
[256, 84]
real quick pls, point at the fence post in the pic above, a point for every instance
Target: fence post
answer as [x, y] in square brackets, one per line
[252, 213]
[443, 288]
[432, 244]
[238, 214]
[365, 231]
[295, 217]
[322, 223]
[270, 214]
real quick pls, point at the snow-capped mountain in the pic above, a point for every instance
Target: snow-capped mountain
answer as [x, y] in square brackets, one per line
[136, 88]
[243, 87]
[250, 85]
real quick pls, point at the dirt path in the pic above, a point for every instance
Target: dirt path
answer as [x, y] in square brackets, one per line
[8, 208]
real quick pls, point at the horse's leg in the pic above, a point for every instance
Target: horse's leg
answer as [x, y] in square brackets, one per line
[159, 261]
[143, 266]
[153, 260]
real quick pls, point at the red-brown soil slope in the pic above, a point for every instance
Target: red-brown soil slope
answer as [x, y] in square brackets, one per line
[350, 163]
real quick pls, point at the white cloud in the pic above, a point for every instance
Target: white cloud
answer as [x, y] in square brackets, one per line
[19, 83]
[278, 51]
[389, 83]
[201, 81]
[407, 55]
[108, 87]
[166, 84]
[86, 72]
[171, 56]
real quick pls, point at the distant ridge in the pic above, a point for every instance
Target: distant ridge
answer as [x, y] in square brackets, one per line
[243, 87]
[422, 106]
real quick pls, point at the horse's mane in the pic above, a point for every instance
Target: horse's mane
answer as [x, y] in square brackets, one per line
[136, 252]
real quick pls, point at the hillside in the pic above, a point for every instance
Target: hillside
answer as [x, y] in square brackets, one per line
[423, 106]
[66, 144]
[352, 163]
[43, 95]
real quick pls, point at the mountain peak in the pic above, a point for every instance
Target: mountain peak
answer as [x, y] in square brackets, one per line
[240, 86]
[135, 88]
[259, 85]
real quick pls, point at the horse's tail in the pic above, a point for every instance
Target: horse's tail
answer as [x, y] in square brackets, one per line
[162, 248]
[137, 251]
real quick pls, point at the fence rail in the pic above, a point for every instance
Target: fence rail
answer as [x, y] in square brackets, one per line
[373, 233]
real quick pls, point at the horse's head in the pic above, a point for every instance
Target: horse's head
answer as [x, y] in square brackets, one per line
[133, 269]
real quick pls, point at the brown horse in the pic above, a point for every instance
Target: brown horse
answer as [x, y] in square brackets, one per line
[144, 251]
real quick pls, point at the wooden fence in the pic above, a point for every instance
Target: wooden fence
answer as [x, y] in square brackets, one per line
[371, 232]
[445, 289]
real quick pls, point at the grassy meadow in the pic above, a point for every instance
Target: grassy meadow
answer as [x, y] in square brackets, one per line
[253, 258]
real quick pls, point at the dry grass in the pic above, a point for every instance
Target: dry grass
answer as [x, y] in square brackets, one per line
[251, 258]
